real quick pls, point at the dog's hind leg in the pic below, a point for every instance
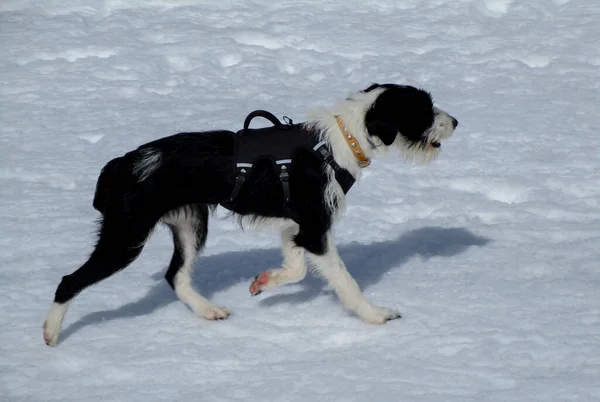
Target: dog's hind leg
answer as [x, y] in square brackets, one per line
[121, 241]
[189, 226]
[329, 264]
[292, 270]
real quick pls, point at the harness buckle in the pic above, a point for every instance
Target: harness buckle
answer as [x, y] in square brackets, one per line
[285, 182]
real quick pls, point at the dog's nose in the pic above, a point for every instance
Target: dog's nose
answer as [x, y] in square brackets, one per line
[454, 122]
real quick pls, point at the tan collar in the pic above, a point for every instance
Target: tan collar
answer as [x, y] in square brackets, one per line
[357, 151]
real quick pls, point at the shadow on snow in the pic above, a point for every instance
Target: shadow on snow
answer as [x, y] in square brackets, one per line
[366, 262]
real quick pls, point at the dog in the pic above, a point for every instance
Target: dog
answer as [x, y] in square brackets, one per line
[178, 180]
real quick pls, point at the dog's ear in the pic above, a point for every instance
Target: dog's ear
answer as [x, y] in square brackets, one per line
[387, 132]
[379, 119]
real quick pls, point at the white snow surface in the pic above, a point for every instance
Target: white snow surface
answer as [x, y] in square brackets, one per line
[492, 253]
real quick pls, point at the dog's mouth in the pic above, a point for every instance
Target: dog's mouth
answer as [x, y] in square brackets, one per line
[436, 144]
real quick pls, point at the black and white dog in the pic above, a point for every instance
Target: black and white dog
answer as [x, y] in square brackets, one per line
[177, 180]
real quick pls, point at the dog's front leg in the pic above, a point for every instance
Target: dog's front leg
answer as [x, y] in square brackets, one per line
[331, 267]
[292, 270]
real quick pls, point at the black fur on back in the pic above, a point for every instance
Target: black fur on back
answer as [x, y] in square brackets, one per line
[199, 168]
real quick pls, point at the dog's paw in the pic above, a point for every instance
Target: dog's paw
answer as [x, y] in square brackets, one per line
[214, 312]
[378, 315]
[50, 334]
[260, 283]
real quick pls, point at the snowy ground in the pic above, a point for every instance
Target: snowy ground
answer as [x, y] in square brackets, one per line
[492, 253]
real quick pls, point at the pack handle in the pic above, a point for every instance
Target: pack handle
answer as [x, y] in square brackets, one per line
[264, 114]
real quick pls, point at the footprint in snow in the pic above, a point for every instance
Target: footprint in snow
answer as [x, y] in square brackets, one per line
[493, 8]
[230, 60]
[503, 192]
[92, 138]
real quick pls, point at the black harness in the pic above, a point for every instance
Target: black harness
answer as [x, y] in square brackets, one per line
[278, 143]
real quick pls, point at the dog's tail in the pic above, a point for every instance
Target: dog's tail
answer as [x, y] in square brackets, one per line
[105, 184]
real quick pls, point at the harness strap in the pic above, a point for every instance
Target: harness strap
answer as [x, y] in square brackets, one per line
[285, 182]
[240, 178]
[342, 176]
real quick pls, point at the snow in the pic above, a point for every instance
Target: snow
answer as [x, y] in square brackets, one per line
[491, 253]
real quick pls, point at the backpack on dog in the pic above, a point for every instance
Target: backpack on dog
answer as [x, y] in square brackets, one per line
[277, 144]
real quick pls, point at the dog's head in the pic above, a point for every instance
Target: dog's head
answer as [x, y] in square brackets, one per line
[406, 116]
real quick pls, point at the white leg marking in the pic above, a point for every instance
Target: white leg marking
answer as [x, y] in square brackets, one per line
[53, 323]
[183, 279]
[332, 268]
[292, 270]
